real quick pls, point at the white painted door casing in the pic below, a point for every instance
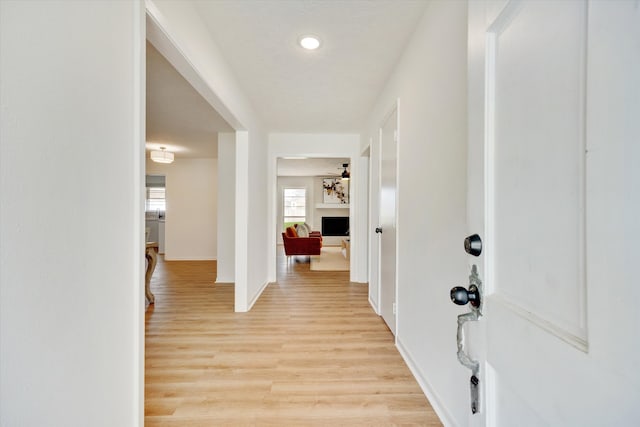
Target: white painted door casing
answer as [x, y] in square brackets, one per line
[388, 192]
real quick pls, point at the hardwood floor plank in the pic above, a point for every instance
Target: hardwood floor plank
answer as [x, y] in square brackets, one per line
[311, 352]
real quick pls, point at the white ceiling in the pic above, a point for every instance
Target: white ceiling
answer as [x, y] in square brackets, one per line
[178, 118]
[311, 167]
[331, 89]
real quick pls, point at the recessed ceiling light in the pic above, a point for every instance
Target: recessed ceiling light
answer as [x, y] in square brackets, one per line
[309, 42]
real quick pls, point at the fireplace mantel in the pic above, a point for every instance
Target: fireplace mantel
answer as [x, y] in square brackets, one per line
[332, 206]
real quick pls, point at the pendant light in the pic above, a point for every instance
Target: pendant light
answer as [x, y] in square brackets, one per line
[162, 156]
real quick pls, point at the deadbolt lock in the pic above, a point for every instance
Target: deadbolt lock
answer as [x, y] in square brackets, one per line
[473, 245]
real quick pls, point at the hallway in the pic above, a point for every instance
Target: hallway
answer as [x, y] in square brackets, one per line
[310, 352]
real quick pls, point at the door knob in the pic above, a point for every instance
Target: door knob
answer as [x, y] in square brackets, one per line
[461, 296]
[473, 245]
[378, 229]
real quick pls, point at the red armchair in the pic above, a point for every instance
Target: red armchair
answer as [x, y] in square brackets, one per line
[294, 245]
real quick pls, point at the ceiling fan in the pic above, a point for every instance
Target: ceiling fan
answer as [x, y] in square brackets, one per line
[345, 174]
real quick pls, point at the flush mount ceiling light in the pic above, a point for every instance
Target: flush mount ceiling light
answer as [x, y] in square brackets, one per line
[309, 42]
[345, 173]
[162, 156]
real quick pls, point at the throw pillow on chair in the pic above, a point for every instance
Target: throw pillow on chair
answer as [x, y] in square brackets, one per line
[302, 231]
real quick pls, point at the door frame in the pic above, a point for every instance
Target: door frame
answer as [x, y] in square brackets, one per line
[158, 32]
[395, 107]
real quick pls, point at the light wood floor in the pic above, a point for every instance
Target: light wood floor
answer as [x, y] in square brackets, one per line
[310, 352]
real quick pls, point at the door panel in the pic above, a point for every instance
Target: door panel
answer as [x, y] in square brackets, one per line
[548, 179]
[388, 171]
[513, 407]
[535, 163]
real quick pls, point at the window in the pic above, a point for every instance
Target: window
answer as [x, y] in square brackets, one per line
[155, 199]
[295, 206]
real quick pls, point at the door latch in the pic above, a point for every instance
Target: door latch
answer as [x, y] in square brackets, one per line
[473, 296]
[378, 230]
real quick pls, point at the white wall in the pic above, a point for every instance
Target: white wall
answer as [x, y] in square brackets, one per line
[192, 208]
[318, 145]
[258, 219]
[430, 83]
[226, 208]
[72, 213]
[178, 32]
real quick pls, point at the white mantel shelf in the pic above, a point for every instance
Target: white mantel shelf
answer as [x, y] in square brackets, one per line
[332, 206]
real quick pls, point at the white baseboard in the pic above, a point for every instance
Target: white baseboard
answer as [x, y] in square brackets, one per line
[255, 298]
[426, 387]
[190, 258]
[225, 280]
[374, 306]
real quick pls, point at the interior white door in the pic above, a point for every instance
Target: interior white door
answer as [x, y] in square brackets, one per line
[554, 136]
[388, 189]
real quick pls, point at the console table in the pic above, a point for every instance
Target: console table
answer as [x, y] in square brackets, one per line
[151, 254]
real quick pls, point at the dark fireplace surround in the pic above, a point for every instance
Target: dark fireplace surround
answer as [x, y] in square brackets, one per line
[335, 225]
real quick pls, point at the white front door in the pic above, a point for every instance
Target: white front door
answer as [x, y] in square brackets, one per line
[554, 192]
[388, 171]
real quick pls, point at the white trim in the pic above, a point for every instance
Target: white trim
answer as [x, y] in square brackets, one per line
[489, 179]
[257, 295]
[138, 155]
[547, 325]
[272, 212]
[374, 306]
[582, 184]
[397, 136]
[396, 139]
[333, 205]
[242, 219]
[368, 152]
[427, 388]
[309, 149]
[379, 223]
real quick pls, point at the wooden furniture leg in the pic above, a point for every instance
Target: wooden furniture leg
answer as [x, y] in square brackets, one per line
[151, 254]
[346, 245]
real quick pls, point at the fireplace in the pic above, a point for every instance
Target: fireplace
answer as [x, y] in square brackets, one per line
[335, 225]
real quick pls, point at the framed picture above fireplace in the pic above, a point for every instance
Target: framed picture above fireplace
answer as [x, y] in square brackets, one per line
[335, 191]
